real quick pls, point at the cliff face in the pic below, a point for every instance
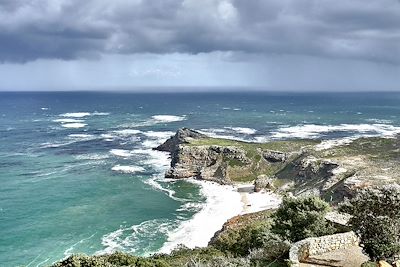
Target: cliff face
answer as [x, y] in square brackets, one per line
[295, 166]
[207, 162]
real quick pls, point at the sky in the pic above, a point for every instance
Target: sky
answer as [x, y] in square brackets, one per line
[190, 45]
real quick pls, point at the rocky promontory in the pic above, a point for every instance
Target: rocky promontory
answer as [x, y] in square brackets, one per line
[297, 166]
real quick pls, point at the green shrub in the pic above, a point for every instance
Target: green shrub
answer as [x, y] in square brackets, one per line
[238, 242]
[300, 218]
[376, 220]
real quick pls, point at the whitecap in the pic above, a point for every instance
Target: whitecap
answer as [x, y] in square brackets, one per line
[92, 157]
[127, 169]
[167, 118]
[222, 133]
[75, 114]
[74, 125]
[100, 113]
[44, 108]
[156, 159]
[127, 132]
[81, 136]
[68, 120]
[121, 153]
[316, 131]
[154, 182]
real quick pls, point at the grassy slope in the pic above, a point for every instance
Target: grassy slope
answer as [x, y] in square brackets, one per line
[240, 173]
[369, 157]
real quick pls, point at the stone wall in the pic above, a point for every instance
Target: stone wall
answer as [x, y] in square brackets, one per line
[319, 245]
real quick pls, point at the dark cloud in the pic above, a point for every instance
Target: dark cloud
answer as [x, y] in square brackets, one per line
[354, 29]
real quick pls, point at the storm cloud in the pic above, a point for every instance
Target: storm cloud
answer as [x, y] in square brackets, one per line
[367, 30]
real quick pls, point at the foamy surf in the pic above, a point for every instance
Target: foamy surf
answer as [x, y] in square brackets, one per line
[222, 203]
[121, 153]
[130, 239]
[68, 120]
[73, 125]
[127, 169]
[316, 131]
[167, 118]
[75, 114]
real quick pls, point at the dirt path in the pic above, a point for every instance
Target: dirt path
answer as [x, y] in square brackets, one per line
[351, 257]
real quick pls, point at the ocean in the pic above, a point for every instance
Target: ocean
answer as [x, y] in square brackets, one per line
[78, 173]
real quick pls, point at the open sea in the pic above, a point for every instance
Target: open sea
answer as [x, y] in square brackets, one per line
[78, 173]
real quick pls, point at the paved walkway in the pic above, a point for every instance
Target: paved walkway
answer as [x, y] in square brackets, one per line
[351, 257]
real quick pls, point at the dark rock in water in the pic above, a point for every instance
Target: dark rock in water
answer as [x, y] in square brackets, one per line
[182, 136]
[274, 156]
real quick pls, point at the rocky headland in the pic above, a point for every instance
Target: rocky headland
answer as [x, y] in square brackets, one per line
[300, 167]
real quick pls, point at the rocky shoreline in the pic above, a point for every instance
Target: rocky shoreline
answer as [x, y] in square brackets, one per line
[299, 167]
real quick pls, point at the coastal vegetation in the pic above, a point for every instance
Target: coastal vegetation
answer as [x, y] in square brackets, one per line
[376, 220]
[312, 175]
[300, 218]
[259, 239]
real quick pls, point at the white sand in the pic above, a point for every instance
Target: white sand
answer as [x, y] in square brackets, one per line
[257, 201]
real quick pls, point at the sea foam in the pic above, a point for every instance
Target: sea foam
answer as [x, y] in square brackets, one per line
[68, 120]
[316, 131]
[121, 153]
[127, 169]
[222, 203]
[168, 118]
[76, 114]
[74, 125]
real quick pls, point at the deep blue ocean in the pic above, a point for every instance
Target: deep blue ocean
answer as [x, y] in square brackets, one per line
[77, 173]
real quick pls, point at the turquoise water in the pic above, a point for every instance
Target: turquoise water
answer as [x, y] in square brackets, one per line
[77, 172]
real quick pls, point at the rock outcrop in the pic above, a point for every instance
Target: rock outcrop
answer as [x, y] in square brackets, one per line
[182, 136]
[205, 162]
[294, 166]
[274, 156]
[263, 182]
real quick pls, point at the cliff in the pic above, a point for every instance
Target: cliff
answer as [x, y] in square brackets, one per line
[302, 167]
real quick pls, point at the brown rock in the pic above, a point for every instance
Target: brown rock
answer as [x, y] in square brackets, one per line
[383, 264]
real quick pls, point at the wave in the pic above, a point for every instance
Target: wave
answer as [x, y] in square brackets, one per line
[131, 239]
[156, 138]
[75, 114]
[92, 157]
[224, 134]
[121, 153]
[316, 131]
[68, 120]
[81, 136]
[127, 169]
[73, 125]
[68, 251]
[100, 113]
[222, 203]
[158, 160]
[154, 182]
[168, 118]
[127, 132]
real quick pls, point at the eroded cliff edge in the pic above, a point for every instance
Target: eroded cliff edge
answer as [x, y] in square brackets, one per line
[301, 167]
